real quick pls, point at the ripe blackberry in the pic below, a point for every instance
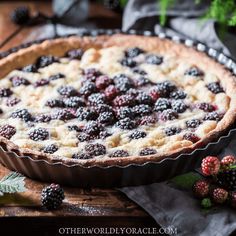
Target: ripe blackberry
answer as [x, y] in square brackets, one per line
[194, 71]
[137, 134]
[74, 128]
[165, 88]
[194, 123]
[162, 104]
[88, 88]
[42, 118]
[56, 76]
[51, 148]
[41, 82]
[227, 179]
[21, 15]
[106, 118]
[86, 114]
[144, 98]
[96, 99]
[83, 137]
[103, 108]
[126, 123]
[124, 100]
[169, 114]
[213, 116]
[74, 102]
[133, 92]
[12, 101]
[91, 74]
[7, 131]
[92, 128]
[30, 68]
[44, 61]
[123, 83]
[191, 137]
[142, 110]
[119, 153]
[75, 54]
[39, 134]
[63, 114]
[103, 134]
[17, 81]
[55, 103]
[136, 70]
[111, 92]
[153, 59]
[5, 92]
[124, 112]
[179, 94]
[147, 151]
[147, 120]
[179, 106]
[169, 131]
[133, 52]
[52, 196]
[141, 81]
[82, 156]
[205, 107]
[22, 114]
[67, 91]
[129, 62]
[215, 87]
[95, 149]
[103, 81]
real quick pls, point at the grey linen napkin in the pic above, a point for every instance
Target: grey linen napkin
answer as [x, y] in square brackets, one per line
[167, 204]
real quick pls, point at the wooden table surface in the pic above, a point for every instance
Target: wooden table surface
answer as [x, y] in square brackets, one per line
[82, 207]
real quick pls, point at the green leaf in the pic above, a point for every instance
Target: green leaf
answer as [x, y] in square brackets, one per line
[123, 3]
[164, 5]
[12, 183]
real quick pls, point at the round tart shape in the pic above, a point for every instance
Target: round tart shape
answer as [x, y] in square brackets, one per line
[112, 100]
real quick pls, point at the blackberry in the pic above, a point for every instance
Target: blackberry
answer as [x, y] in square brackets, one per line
[169, 131]
[39, 134]
[103, 108]
[147, 151]
[44, 61]
[164, 89]
[22, 114]
[41, 82]
[106, 118]
[153, 59]
[55, 103]
[179, 94]
[51, 148]
[227, 179]
[191, 137]
[21, 15]
[133, 92]
[213, 116]
[126, 123]
[75, 54]
[162, 104]
[67, 91]
[137, 134]
[97, 98]
[5, 92]
[42, 118]
[124, 112]
[86, 114]
[111, 92]
[74, 128]
[95, 149]
[128, 62]
[104, 134]
[194, 123]
[91, 74]
[133, 52]
[83, 137]
[74, 102]
[17, 81]
[205, 107]
[169, 114]
[88, 88]
[82, 156]
[179, 106]
[147, 120]
[123, 83]
[63, 114]
[194, 71]
[52, 196]
[7, 131]
[103, 81]
[142, 109]
[144, 98]
[136, 70]
[12, 101]
[30, 68]
[141, 81]
[215, 87]
[119, 153]
[124, 100]
[56, 76]
[92, 128]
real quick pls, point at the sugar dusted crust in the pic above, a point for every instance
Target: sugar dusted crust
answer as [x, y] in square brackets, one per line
[59, 47]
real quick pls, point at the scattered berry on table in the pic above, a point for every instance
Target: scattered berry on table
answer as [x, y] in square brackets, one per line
[133, 52]
[39, 134]
[96, 149]
[126, 123]
[191, 137]
[154, 59]
[67, 91]
[44, 61]
[129, 62]
[21, 15]
[215, 87]
[74, 102]
[17, 81]
[22, 114]
[102, 81]
[169, 131]
[179, 106]
[119, 153]
[51, 148]
[5, 92]
[162, 104]
[194, 123]
[12, 101]
[137, 134]
[179, 94]
[52, 196]
[206, 203]
[201, 188]
[168, 114]
[219, 195]
[205, 107]
[210, 165]
[142, 110]
[55, 103]
[75, 53]
[7, 131]
[147, 151]
[194, 71]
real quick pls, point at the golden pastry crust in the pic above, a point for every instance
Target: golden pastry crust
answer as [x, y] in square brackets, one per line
[58, 47]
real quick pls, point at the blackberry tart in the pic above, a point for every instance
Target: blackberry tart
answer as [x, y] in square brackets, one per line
[112, 100]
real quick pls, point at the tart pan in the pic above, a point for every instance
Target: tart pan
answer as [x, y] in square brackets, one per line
[118, 176]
